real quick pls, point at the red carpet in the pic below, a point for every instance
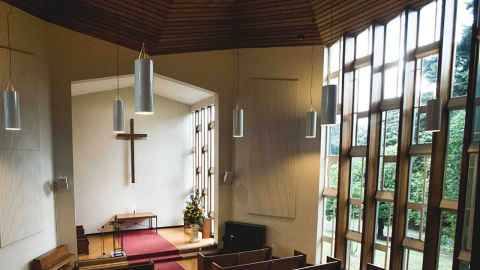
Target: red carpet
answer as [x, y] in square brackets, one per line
[168, 266]
[139, 245]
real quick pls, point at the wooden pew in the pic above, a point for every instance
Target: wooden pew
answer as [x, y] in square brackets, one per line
[374, 267]
[230, 259]
[58, 258]
[299, 260]
[332, 264]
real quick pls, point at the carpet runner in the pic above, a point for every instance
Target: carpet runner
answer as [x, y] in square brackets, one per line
[145, 245]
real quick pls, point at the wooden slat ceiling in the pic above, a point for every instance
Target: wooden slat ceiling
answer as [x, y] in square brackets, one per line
[173, 26]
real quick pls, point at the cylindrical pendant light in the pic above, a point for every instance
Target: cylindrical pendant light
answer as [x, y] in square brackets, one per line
[311, 130]
[11, 109]
[434, 112]
[237, 122]
[11, 99]
[237, 111]
[118, 105]
[329, 105]
[144, 97]
[311, 120]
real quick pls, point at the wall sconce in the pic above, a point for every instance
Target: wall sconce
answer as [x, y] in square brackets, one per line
[434, 113]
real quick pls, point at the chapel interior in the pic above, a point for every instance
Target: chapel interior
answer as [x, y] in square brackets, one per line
[239, 135]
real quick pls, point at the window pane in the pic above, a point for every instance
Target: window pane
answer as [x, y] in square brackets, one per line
[426, 80]
[387, 173]
[329, 216]
[468, 218]
[334, 57]
[360, 131]
[447, 240]
[327, 250]
[355, 218]
[332, 172]
[416, 222]
[419, 179]
[389, 135]
[390, 88]
[463, 37]
[362, 89]
[393, 40]
[453, 162]
[357, 177]
[420, 135]
[334, 139]
[383, 232]
[427, 25]
[413, 260]
[354, 250]
[412, 30]
[363, 46]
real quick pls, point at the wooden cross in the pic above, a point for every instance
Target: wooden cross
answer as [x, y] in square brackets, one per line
[131, 137]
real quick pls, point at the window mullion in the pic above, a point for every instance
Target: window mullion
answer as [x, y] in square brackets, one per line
[430, 258]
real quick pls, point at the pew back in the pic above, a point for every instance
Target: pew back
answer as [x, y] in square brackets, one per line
[374, 267]
[231, 259]
[57, 258]
[286, 263]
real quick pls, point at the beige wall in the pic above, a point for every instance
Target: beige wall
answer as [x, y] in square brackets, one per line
[163, 160]
[27, 214]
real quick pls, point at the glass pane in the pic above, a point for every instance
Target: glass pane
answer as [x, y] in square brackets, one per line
[362, 89]
[334, 57]
[419, 179]
[389, 135]
[355, 218]
[463, 37]
[391, 89]
[357, 177]
[393, 40]
[476, 123]
[420, 135]
[447, 240]
[426, 80]
[468, 218]
[360, 131]
[416, 222]
[387, 172]
[334, 140]
[327, 250]
[349, 49]
[325, 64]
[412, 30]
[427, 25]
[363, 46]
[354, 250]
[413, 260]
[383, 227]
[332, 172]
[329, 216]
[381, 259]
[453, 162]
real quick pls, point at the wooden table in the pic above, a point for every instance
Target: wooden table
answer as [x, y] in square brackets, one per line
[119, 219]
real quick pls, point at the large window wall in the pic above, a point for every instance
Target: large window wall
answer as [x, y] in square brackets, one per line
[404, 196]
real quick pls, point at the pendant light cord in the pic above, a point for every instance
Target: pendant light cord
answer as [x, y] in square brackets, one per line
[311, 78]
[118, 72]
[10, 84]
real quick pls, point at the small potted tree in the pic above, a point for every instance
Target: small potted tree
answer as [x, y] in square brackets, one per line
[193, 216]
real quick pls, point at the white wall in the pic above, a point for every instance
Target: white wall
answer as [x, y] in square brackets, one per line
[163, 162]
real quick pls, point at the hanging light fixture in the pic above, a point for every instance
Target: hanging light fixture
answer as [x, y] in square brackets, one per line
[311, 124]
[237, 111]
[118, 105]
[434, 112]
[328, 115]
[11, 99]
[144, 84]
[329, 105]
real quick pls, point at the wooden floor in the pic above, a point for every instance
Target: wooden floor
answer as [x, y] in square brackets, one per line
[103, 245]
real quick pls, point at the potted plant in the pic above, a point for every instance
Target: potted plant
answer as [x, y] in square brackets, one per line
[193, 216]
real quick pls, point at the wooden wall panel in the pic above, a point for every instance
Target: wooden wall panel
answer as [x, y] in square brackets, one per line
[273, 131]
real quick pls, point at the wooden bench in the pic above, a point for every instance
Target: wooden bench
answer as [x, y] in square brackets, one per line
[230, 259]
[374, 267]
[332, 264]
[58, 258]
[299, 260]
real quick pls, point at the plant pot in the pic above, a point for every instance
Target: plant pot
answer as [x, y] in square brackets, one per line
[207, 228]
[195, 236]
